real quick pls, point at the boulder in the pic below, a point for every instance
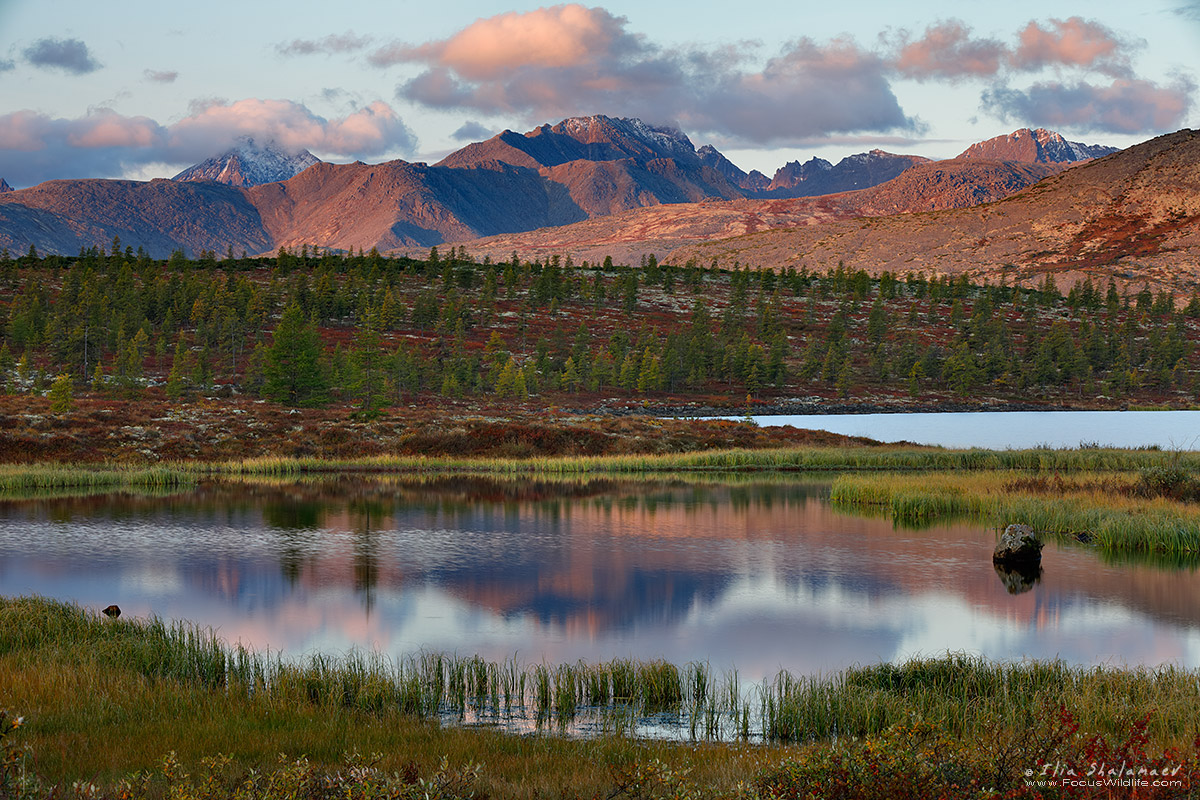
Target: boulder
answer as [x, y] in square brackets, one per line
[1018, 545]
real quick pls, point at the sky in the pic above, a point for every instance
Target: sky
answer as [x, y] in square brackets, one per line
[142, 89]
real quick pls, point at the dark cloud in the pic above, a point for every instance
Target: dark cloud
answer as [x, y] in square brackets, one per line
[569, 60]
[1189, 10]
[332, 44]
[5, 66]
[165, 76]
[35, 147]
[70, 55]
[471, 131]
[1124, 106]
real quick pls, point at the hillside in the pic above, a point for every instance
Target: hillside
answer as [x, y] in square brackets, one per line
[931, 186]
[1135, 213]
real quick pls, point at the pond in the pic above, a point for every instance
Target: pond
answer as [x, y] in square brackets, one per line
[1000, 430]
[760, 575]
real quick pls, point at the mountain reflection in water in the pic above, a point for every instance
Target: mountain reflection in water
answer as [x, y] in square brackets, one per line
[759, 575]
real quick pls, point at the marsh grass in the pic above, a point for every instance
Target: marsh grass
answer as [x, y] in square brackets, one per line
[1109, 509]
[959, 692]
[819, 459]
[17, 479]
[103, 698]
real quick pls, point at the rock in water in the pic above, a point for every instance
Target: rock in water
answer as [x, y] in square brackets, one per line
[1018, 545]
[113, 611]
[1018, 577]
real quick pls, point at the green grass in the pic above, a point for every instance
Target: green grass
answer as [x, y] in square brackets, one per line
[1100, 508]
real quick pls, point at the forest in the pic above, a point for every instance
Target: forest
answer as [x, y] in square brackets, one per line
[313, 328]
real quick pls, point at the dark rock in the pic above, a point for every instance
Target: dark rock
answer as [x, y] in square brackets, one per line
[1018, 545]
[1018, 577]
[113, 611]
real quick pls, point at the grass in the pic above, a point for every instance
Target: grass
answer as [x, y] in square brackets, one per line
[1113, 510]
[105, 698]
[16, 478]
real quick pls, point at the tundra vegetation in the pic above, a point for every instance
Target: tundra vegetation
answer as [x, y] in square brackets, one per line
[368, 332]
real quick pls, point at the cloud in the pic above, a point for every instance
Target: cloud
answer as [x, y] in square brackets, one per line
[36, 147]
[6, 65]
[1125, 106]
[1190, 10]
[1073, 42]
[471, 131]
[568, 59]
[332, 44]
[70, 55]
[947, 51]
[164, 76]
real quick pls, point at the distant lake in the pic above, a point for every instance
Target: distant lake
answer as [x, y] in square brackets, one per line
[1016, 430]
[761, 575]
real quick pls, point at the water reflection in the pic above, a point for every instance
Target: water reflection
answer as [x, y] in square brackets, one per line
[758, 575]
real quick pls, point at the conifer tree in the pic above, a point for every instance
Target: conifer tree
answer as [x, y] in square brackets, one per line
[293, 371]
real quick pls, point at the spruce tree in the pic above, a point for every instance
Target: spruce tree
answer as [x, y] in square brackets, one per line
[293, 371]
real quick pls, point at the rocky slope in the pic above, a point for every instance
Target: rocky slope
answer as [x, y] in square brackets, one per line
[1134, 214]
[4, 187]
[250, 163]
[1035, 147]
[932, 186]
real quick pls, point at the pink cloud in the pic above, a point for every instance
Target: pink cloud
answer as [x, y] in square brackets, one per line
[567, 60]
[1073, 42]
[108, 129]
[948, 51]
[35, 147]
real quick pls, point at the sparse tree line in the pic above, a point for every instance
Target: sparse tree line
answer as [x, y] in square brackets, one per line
[310, 328]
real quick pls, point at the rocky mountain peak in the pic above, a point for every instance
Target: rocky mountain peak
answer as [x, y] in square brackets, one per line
[250, 163]
[4, 187]
[1039, 146]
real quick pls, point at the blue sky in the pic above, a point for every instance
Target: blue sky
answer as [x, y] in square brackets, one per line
[132, 88]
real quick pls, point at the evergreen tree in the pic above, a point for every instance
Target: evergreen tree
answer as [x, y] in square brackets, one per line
[293, 371]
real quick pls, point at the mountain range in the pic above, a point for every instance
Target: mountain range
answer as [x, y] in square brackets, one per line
[584, 184]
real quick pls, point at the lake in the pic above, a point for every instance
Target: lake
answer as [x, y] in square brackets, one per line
[760, 575]
[1000, 430]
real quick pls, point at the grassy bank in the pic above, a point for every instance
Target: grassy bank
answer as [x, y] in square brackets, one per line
[814, 459]
[106, 698]
[1120, 512]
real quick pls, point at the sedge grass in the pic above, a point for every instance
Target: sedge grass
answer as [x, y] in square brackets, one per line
[18, 478]
[1081, 508]
[962, 693]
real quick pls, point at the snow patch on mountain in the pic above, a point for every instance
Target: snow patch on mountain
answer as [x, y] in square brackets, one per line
[250, 163]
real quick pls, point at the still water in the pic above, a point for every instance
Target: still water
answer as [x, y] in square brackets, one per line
[761, 576]
[1000, 430]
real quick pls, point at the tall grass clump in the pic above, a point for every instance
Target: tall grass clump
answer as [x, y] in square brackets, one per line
[1111, 510]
